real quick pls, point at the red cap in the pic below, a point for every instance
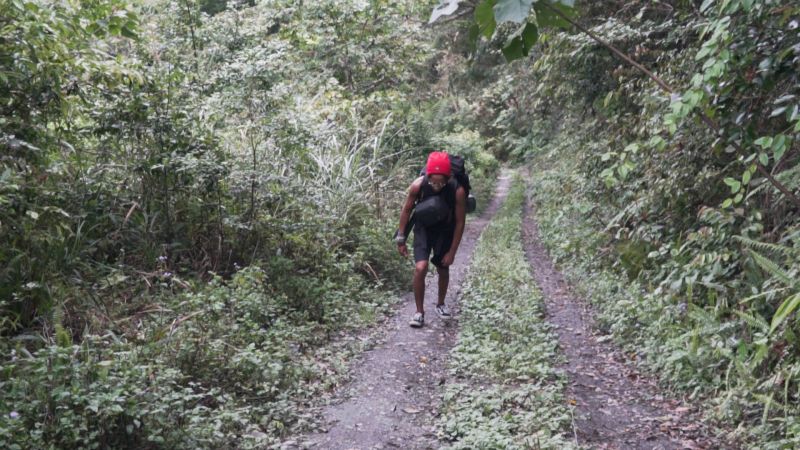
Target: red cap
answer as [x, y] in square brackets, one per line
[438, 164]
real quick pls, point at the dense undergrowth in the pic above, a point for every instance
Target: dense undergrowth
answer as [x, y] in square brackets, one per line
[684, 238]
[196, 205]
[507, 394]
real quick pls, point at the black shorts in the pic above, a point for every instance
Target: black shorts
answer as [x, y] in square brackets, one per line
[439, 239]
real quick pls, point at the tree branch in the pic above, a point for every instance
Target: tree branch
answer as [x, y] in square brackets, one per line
[613, 49]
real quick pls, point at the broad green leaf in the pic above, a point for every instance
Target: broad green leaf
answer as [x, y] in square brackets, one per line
[625, 168]
[474, 35]
[484, 17]
[787, 307]
[632, 147]
[763, 158]
[607, 100]
[512, 11]
[529, 36]
[514, 49]
[746, 177]
[657, 142]
[129, 33]
[764, 142]
[741, 351]
[521, 42]
[672, 127]
[734, 184]
[703, 52]
[727, 203]
[779, 146]
[546, 18]
[778, 111]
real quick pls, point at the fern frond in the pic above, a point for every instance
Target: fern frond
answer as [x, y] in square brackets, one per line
[771, 268]
[58, 315]
[763, 294]
[755, 322]
[62, 334]
[768, 247]
[789, 178]
[700, 315]
[707, 323]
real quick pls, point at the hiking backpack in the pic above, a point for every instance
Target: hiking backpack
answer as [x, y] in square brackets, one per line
[459, 174]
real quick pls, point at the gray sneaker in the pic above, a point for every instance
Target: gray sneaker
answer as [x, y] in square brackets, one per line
[443, 311]
[417, 321]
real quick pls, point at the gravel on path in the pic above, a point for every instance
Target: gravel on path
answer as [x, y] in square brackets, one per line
[394, 396]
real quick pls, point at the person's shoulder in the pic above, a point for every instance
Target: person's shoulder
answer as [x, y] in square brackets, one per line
[416, 184]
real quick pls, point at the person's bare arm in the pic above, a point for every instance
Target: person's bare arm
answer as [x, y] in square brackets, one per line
[461, 219]
[405, 213]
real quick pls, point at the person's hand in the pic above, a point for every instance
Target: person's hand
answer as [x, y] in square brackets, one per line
[447, 259]
[403, 249]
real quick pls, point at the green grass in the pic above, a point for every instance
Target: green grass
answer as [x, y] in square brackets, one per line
[507, 393]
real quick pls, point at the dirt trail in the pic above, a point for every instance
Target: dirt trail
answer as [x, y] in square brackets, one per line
[394, 397]
[616, 406]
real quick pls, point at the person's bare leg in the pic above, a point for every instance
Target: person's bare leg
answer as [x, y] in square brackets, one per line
[444, 280]
[420, 270]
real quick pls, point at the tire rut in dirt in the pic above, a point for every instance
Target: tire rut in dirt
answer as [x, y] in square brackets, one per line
[616, 407]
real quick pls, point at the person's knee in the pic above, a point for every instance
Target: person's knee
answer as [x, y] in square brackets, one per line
[444, 272]
[421, 267]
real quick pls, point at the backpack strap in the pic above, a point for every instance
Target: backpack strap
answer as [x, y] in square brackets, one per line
[421, 186]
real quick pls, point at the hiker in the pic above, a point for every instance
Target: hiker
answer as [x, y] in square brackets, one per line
[440, 213]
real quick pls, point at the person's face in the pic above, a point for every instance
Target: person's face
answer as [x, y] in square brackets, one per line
[437, 182]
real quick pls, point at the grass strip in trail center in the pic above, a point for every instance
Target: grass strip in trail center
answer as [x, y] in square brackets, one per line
[506, 392]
